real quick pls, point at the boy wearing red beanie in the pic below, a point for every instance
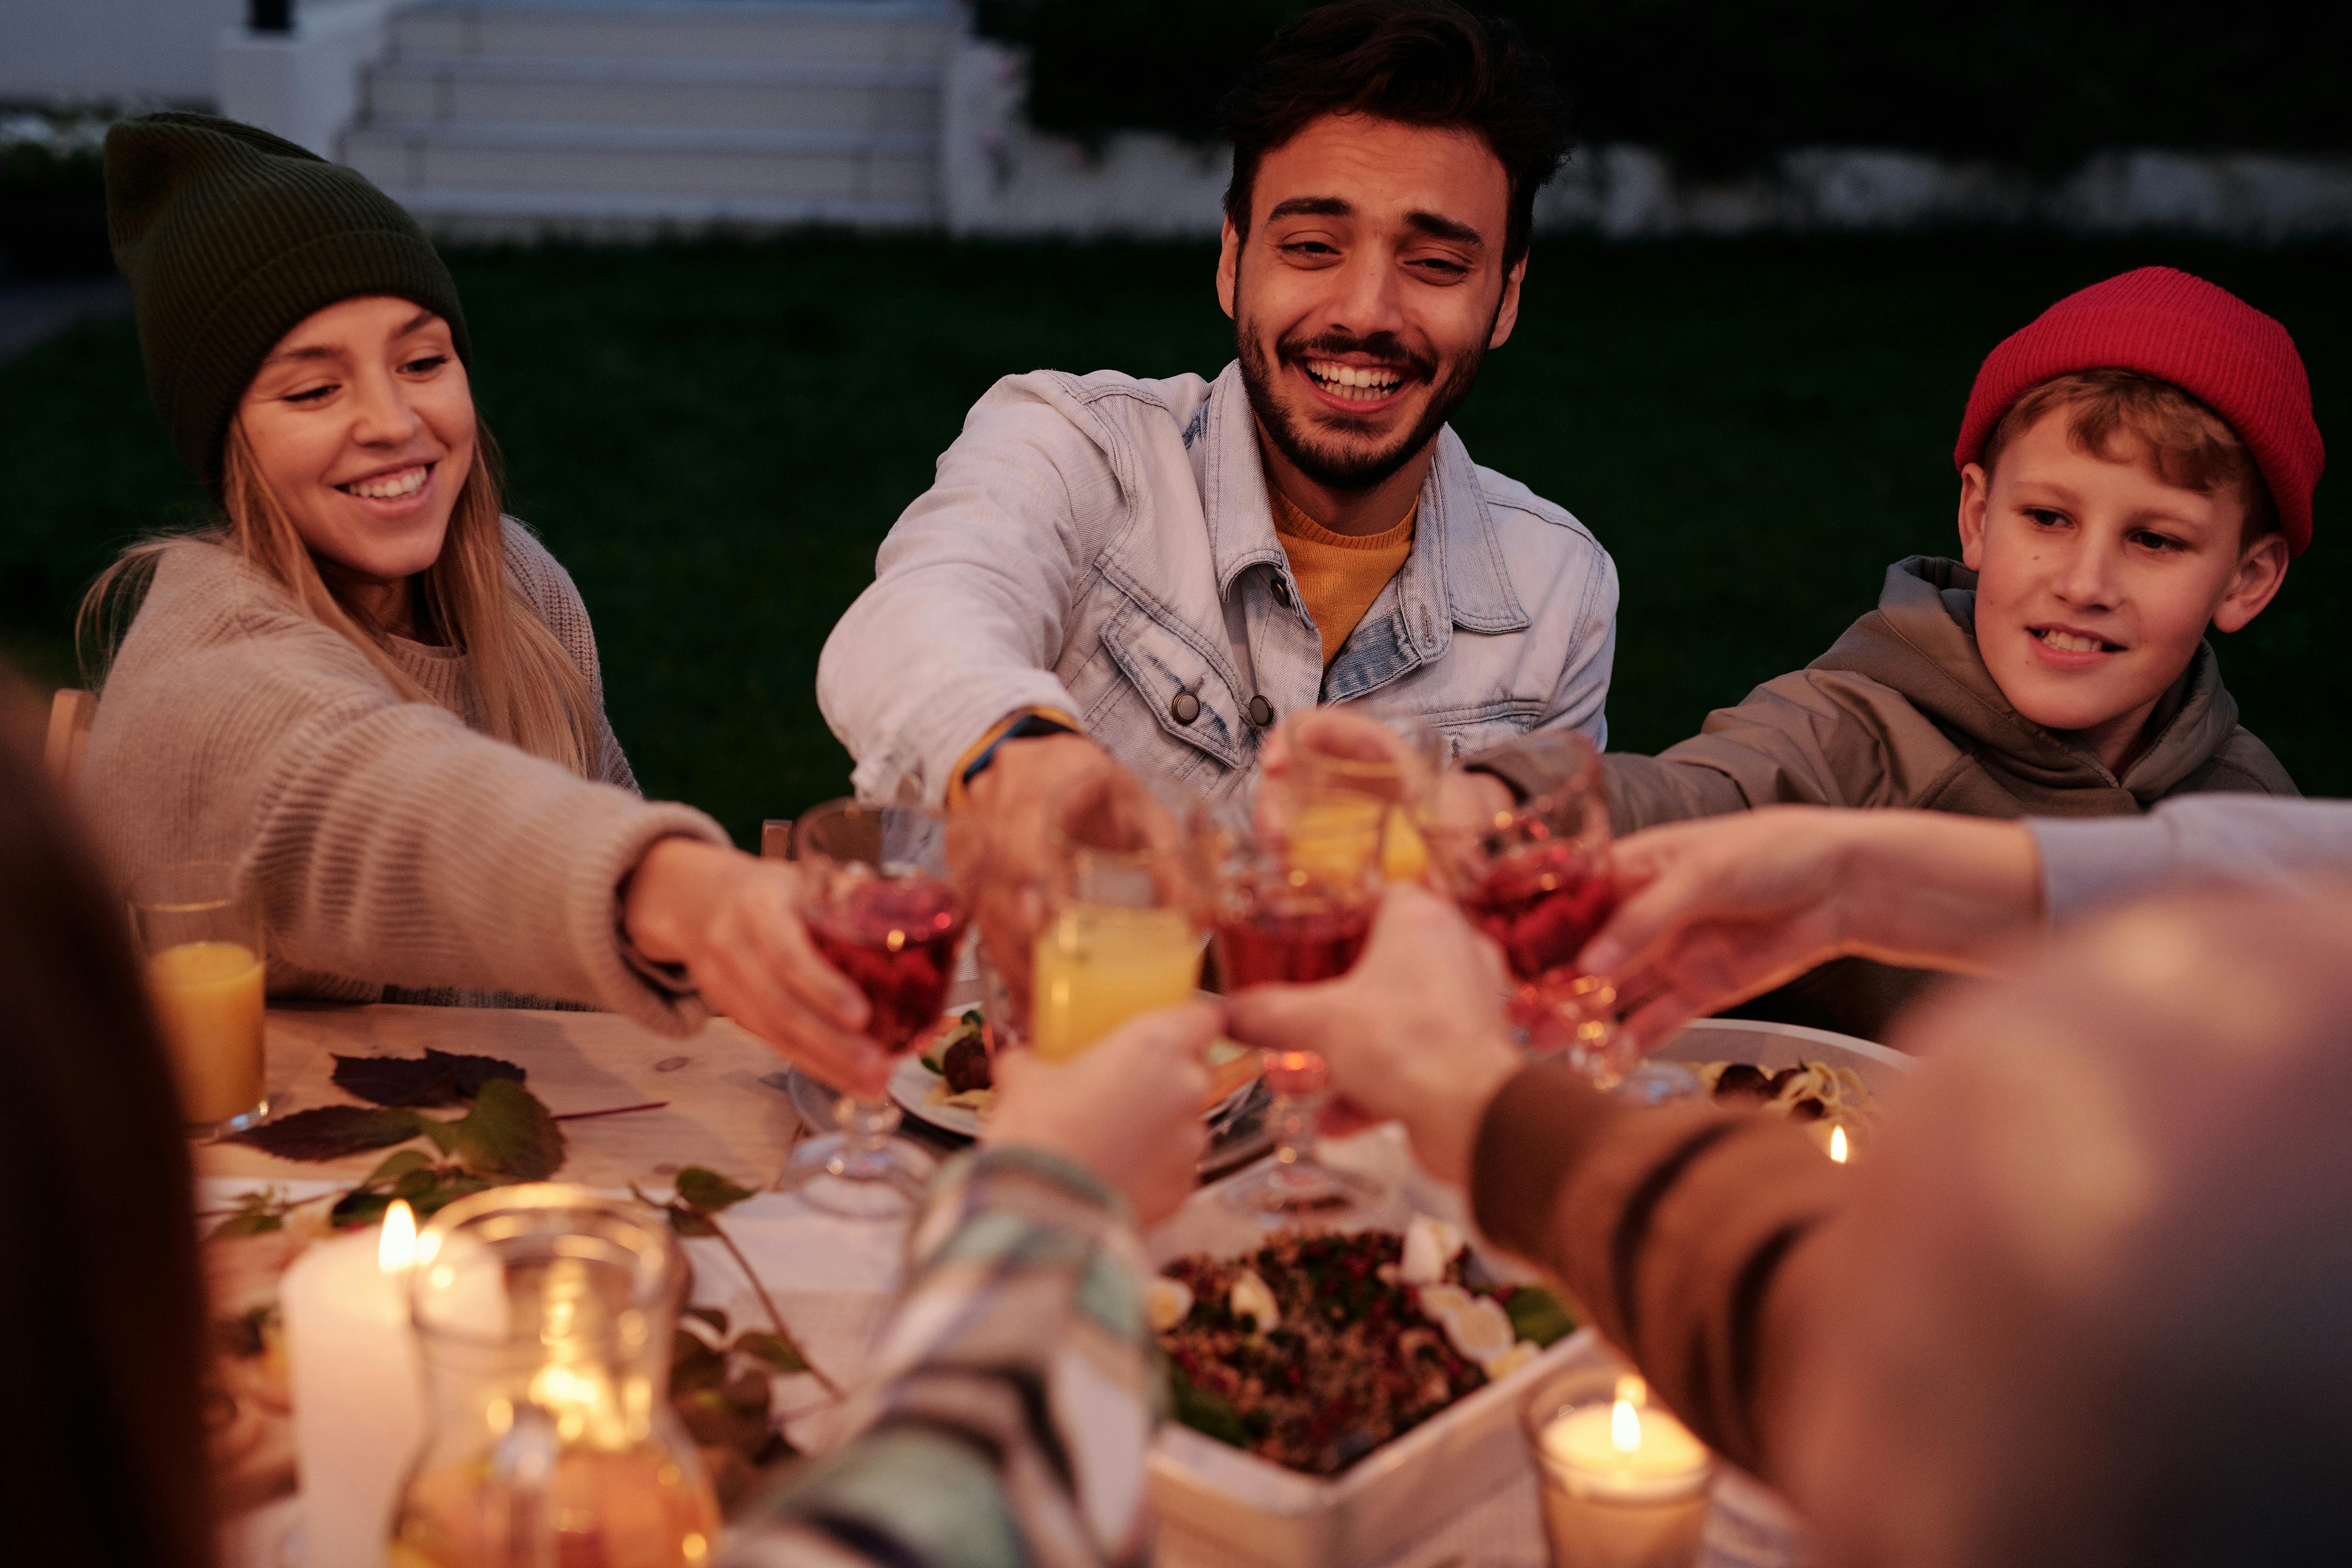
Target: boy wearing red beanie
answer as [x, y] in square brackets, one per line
[2135, 465]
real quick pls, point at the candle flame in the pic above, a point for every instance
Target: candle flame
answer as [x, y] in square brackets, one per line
[396, 1248]
[1626, 1427]
[1837, 1144]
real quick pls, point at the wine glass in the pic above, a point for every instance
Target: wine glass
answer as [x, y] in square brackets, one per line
[1536, 880]
[1289, 896]
[879, 905]
[1119, 939]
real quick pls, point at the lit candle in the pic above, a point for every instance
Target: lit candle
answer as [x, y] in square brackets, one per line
[1624, 1484]
[1837, 1144]
[359, 1409]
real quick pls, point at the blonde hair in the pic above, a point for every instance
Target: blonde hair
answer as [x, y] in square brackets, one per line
[532, 695]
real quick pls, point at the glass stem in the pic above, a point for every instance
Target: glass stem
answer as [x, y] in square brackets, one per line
[866, 1124]
[1295, 1119]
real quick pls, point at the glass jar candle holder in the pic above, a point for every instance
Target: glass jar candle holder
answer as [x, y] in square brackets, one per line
[1623, 1483]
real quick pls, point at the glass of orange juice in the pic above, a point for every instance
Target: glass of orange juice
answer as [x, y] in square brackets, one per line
[1119, 938]
[201, 939]
[1340, 767]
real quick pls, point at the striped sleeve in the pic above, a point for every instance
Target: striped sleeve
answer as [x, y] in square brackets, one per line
[1679, 1230]
[1005, 1416]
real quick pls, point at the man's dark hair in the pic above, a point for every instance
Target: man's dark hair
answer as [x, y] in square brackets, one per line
[1418, 62]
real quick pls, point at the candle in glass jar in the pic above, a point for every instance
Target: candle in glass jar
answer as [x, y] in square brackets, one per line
[359, 1412]
[1624, 1484]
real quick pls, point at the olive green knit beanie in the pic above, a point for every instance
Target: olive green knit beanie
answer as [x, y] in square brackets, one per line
[230, 237]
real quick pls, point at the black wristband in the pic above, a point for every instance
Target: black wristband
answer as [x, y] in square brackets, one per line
[1027, 726]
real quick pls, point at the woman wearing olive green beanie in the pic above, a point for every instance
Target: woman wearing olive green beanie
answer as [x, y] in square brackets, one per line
[365, 687]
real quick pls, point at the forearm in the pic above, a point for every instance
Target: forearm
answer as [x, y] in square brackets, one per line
[1675, 1229]
[1023, 1268]
[403, 849]
[1933, 890]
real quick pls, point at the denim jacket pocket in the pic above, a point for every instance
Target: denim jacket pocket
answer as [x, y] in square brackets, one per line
[1474, 728]
[1177, 681]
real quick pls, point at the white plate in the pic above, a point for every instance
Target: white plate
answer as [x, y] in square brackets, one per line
[911, 1086]
[1776, 1045]
[912, 1082]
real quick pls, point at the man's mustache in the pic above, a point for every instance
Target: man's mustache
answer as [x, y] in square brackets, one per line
[1386, 347]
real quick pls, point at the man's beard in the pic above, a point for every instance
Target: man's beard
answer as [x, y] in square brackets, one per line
[1350, 468]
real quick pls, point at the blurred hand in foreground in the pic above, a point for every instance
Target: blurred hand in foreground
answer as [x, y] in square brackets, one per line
[1712, 912]
[1008, 811]
[733, 921]
[1128, 1108]
[1415, 1033]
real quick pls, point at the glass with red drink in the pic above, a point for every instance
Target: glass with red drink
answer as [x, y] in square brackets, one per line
[1291, 898]
[879, 905]
[1537, 881]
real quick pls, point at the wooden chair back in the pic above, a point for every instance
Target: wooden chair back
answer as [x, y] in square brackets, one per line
[71, 713]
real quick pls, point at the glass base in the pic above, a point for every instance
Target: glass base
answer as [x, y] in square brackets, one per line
[227, 1127]
[1304, 1192]
[881, 1182]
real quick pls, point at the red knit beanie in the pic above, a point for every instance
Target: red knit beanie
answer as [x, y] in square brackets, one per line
[2203, 339]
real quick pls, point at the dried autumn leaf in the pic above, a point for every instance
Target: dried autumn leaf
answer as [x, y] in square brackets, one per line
[708, 1191]
[333, 1131]
[509, 1134]
[436, 1077]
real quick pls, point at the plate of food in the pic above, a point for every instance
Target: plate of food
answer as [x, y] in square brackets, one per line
[949, 1083]
[1826, 1083]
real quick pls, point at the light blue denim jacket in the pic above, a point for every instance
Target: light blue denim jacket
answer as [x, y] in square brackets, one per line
[1103, 544]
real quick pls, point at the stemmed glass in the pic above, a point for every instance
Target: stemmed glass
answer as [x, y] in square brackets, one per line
[1536, 880]
[1289, 894]
[880, 906]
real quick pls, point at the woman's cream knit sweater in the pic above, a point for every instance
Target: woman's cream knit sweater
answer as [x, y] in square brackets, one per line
[397, 853]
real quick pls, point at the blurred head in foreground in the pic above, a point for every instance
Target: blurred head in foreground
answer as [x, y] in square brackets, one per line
[2099, 1314]
[101, 1317]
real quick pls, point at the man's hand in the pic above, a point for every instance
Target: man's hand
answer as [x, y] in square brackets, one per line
[1006, 810]
[1128, 1109]
[734, 922]
[1712, 912]
[1415, 1032]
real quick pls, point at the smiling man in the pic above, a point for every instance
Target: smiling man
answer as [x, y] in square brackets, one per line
[1149, 573]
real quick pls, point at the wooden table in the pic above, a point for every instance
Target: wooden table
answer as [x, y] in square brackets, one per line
[718, 1113]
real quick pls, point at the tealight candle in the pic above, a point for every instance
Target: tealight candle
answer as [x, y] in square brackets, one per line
[1624, 1483]
[359, 1409]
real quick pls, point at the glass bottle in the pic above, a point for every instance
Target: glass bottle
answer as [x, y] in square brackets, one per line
[545, 1315]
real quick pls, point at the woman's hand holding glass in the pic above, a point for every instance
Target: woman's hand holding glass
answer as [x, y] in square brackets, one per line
[734, 922]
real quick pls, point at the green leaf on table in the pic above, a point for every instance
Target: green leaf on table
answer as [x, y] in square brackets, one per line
[707, 1191]
[334, 1132]
[777, 1353]
[396, 1165]
[711, 1315]
[509, 1134]
[436, 1077]
[426, 1187]
[246, 1222]
[1536, 1314]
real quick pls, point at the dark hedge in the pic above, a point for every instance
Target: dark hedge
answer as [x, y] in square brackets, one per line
[1722, 85]
[52, 213]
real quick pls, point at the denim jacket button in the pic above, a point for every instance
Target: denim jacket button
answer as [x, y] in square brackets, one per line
[1282, 590]
[1183, 708]
[1261, 711]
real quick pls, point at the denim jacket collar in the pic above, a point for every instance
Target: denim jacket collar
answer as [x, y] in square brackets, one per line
[1455, 575]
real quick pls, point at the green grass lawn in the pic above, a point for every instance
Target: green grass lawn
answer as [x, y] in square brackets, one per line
[714, 438]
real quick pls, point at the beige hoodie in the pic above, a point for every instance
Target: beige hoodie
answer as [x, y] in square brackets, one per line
[398, 854]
